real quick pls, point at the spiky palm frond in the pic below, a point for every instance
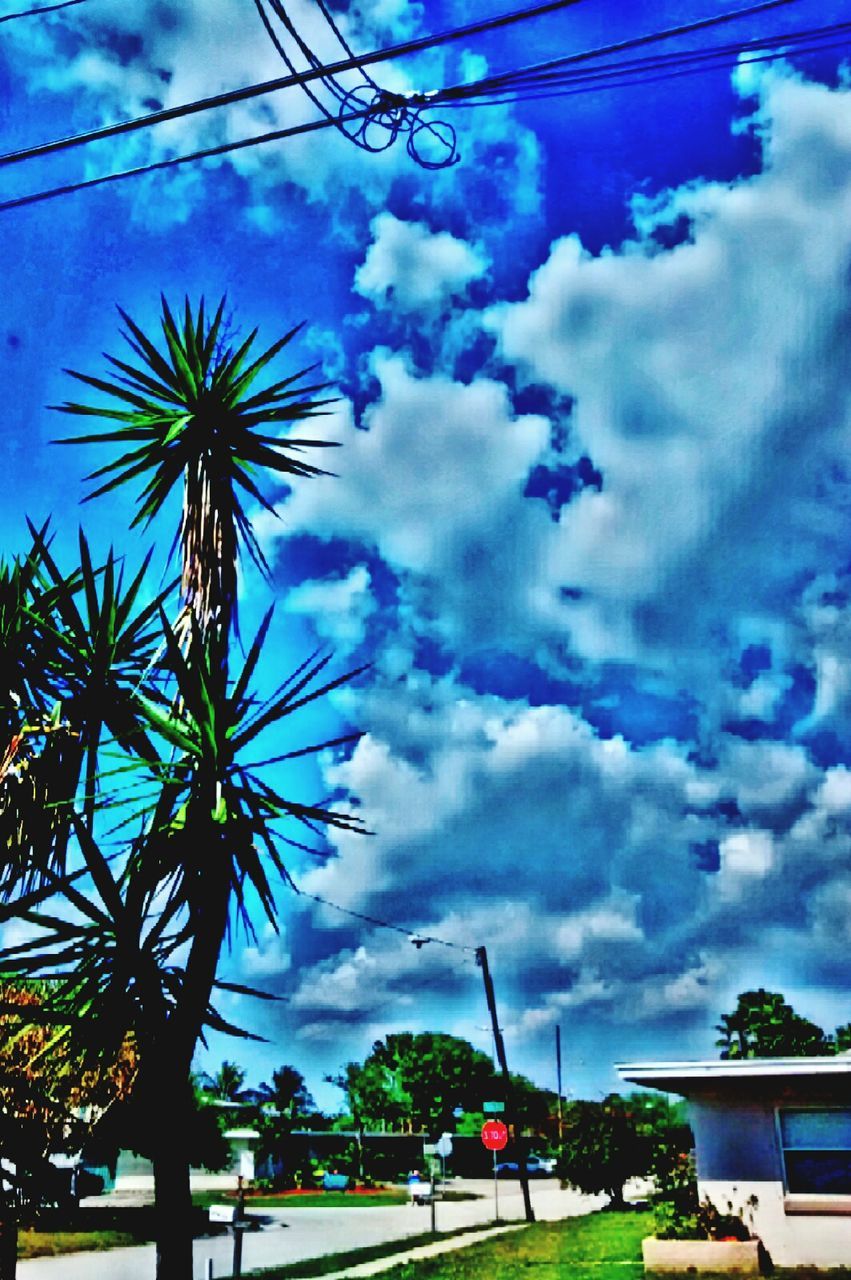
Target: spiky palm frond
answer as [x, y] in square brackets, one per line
[207, 786]
[188, 414]
[37, 749]
[77, 648]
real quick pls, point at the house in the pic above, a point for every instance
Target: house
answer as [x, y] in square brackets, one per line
[136, 1173]
[772, 1139]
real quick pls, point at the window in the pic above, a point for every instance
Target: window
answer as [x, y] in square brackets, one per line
[816, 1151]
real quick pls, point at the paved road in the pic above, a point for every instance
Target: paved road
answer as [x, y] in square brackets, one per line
[294, 1234]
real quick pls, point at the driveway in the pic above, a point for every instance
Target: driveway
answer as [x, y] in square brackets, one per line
[291, 1235]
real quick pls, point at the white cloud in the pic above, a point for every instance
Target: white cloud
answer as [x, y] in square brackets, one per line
[340, 607]
[611, 923]
[435, 485]
[710, 388]
[745, 855]
[269, 958]
[835, 792]
[407, 267]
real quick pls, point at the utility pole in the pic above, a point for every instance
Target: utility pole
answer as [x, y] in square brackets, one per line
[558, 1085]
[511, 1114]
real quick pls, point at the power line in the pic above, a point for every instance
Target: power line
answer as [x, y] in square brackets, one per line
[156, 165]
[298, 78]
[48, 8]
[487, 91]
[379, 130]
[419, 939]
[548, 79]
[369, 59]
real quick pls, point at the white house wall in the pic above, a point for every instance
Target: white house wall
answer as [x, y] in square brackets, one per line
[794, 1240]
[740, 1170]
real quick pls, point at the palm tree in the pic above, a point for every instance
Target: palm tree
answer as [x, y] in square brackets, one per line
[226, 1084]
[188, 416]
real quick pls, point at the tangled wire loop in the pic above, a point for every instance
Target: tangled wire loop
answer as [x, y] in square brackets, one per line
[375, 118]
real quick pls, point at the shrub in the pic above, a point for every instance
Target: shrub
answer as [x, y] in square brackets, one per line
[678, 1211]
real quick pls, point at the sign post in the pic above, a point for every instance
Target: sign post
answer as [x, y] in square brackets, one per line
[495, 1137]
[443, 1147]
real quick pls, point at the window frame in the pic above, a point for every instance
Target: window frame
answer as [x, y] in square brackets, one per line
[810, 1202]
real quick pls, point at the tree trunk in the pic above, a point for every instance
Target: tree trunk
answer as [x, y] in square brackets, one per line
[171, 1085]
[173, 1208]
[8, 1241]
[616, 1199]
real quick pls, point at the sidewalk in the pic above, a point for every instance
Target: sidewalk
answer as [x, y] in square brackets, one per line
[421, 1251]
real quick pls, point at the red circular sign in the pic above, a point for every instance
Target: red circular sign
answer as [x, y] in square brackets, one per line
[494, 1135]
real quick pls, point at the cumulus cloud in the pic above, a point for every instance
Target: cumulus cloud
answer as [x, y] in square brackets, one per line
[409, 268]
[434, 484]
[341, 607]
[269, 957]
[632, 882]
[709, 385]
[715, 371]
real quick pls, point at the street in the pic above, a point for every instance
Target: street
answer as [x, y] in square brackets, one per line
[292, 1234]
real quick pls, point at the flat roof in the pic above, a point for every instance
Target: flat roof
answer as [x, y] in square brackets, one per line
[677, 1077]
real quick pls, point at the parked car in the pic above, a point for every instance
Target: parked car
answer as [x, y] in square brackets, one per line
[536, 1167]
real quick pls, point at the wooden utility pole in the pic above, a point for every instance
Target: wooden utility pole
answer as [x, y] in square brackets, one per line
[511, 1116]
[558, 1086]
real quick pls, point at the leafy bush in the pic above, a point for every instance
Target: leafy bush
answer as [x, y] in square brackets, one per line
[677, 1208]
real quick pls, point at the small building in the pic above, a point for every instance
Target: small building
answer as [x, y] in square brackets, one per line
[136, 1173]
[242, 1144]
[772, 1140]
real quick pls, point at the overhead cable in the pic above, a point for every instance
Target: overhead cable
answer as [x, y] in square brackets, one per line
[418, 939]
[353, 63]
[47, 8]
[417, 45]
[489, 90]
[431, 143]
[387, 115]
[549, 78]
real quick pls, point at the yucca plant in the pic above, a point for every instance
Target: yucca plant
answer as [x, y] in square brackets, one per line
[189, 415]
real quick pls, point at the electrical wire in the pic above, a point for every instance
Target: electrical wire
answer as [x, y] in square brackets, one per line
[48, 8]
[418, 939]
[387, 115]
[357, 63]
[489, 91]
[232, 96]
[157, 165]
[548, 78]
[393, 115]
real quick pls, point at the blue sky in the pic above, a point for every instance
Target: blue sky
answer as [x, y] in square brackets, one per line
[591, 519]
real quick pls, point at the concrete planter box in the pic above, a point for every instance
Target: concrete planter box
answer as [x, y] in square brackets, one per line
[740, 1256]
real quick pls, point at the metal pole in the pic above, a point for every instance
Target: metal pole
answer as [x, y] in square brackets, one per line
[495, 1191]
[237, 1229]
[510, 1112]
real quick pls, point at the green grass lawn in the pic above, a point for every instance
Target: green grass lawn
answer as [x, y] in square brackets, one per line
[601, 1246]
[49, 1244]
